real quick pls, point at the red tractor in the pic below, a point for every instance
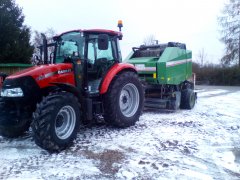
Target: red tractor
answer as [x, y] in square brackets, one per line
[85, 81]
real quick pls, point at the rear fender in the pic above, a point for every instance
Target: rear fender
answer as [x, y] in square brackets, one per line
[114, 70]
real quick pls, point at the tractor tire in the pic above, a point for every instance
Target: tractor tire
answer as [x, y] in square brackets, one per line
[56, 121]
[13, 125]
[188, 99]
[123, 101]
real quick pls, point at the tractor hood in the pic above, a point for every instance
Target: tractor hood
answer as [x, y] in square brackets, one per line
[37, 71]
[45, 74]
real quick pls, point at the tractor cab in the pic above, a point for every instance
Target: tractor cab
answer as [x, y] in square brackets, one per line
[96, 50]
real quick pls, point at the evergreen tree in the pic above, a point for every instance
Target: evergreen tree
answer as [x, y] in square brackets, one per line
[230, 22]
[15, 44]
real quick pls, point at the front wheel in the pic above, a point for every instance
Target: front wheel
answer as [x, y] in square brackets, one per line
[123, 102]
[13, 122]
[56, 121]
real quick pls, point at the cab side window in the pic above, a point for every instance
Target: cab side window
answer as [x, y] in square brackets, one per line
[108, 53]
[94, 53]
[91, 52]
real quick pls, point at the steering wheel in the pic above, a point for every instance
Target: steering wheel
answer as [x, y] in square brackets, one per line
[101, 62]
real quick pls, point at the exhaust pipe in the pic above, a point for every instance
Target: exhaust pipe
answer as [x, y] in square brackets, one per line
[45, 49]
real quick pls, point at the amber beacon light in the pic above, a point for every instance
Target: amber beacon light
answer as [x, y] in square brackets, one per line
[120, 25]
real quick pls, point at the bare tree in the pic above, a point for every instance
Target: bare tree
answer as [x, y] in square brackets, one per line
[230, 23]
[202, 57]
[149, 40]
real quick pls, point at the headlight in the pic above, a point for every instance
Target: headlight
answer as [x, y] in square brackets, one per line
[14, 92]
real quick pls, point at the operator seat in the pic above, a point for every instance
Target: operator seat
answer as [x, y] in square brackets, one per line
[101, 66]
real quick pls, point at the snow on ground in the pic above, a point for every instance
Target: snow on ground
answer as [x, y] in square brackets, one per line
[202, 143]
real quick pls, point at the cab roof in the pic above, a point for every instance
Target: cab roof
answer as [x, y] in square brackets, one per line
[105, 31]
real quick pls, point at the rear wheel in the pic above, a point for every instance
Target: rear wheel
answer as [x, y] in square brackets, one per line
[13, 122]
[188, 99]
[56, 121]
[124, 100]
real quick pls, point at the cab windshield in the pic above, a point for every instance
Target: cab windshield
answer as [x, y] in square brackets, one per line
[70, 45]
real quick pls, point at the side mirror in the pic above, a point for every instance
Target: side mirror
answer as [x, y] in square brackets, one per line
[103, 41]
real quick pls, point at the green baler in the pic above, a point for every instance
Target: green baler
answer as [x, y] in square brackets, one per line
[166, 72]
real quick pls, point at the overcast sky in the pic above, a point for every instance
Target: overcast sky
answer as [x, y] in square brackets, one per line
[193, 22]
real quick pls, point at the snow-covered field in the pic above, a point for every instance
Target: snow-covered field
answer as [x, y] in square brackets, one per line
[203, 143]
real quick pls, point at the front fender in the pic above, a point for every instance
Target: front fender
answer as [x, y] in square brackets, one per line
[114, 70]
[69, 88]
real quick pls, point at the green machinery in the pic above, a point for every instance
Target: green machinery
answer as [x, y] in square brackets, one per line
[166, 72]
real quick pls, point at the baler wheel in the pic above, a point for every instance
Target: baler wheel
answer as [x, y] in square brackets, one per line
[56, 121]
[123, 102]
[188, 99]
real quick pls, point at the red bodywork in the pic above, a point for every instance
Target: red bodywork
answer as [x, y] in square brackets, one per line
[46, 74]
[112, 72]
